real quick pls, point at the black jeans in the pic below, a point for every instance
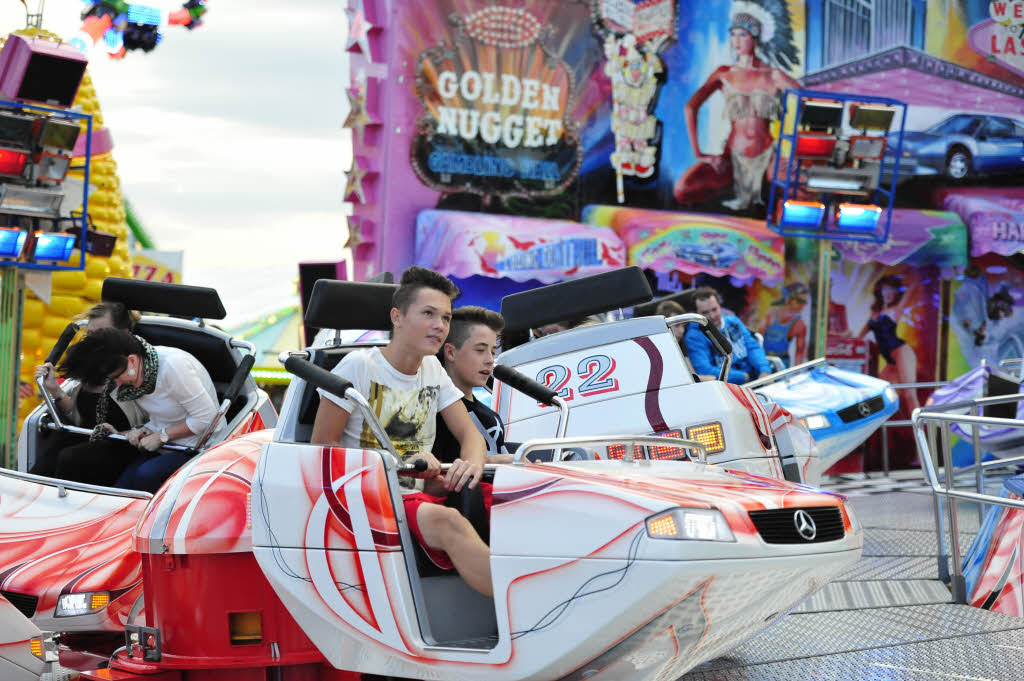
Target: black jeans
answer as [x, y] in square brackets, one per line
[93, 463]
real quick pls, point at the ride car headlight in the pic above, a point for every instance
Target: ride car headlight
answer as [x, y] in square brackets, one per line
[815, 421]
[891, 395]
[69, 605]
[697, 524]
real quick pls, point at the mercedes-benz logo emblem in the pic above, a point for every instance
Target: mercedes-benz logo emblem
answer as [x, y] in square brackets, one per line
[805, 525]
[864, 408]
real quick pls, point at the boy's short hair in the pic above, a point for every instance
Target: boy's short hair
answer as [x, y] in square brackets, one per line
[465, 318]
[702, 293]
[668, 308]
[415, 278]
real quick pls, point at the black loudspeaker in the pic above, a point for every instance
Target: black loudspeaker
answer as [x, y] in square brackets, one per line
[309, 273]
[998, 386]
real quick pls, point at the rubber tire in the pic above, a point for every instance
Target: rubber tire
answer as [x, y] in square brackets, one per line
[963, 156]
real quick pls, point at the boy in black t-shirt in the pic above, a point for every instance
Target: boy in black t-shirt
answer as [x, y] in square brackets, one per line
[468, 357]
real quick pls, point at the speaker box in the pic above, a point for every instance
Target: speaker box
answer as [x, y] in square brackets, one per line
[309, 273]
[40, 70]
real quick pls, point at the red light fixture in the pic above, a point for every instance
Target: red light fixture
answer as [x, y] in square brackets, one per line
[12, 162]
[815, 146]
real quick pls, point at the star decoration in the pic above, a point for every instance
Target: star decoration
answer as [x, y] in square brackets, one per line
[360, 235]
[358, 29]
[355, 234]
[357, 118]
[354, 183]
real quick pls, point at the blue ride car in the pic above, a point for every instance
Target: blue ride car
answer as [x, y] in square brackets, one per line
[840, 408]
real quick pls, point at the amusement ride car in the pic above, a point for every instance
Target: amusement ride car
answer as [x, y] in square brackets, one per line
[272, 557]
[840, 408]
[66, 556]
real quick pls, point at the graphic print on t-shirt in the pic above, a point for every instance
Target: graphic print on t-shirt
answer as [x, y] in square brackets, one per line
[493, 433]
[407, 416]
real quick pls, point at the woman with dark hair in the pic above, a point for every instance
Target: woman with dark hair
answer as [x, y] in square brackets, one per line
[761, 35]
[79, 403]
[168, 386]
[886, 315]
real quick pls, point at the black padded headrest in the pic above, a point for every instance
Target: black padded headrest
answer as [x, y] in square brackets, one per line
[382, 278]
[177, 300]
[212, 352]
[650, 309]
[575, 299]
[350, 305]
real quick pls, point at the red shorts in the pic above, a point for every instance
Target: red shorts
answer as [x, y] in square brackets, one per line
[412, 504]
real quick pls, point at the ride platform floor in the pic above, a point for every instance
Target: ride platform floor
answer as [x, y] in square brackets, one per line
[887, 617]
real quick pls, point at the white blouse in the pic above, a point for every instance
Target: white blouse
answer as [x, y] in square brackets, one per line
[184, 392]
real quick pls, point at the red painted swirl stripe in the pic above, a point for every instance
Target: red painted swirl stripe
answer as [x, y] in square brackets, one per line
[651, 403]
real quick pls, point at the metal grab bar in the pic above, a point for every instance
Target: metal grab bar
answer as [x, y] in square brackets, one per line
[702, 321]
[933, 424]
[773, 378]
[63, 485]
[58, 423]
[631, 440]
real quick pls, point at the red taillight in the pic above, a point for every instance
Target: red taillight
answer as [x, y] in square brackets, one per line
[671, 452]
[618, 451]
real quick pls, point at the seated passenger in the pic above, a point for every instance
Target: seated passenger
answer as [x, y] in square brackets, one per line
[468, 357]
[408, 388]
[174, 399]
[79, 405]
[670, 308]
[748, 358]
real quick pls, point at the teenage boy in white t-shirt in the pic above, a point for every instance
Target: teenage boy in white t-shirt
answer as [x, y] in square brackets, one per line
[406, 386]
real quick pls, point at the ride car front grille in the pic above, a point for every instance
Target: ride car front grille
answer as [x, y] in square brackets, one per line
[25, 603]
[862, 410]
[779, 525]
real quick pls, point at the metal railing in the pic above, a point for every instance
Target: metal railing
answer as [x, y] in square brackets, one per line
[786, 373]
[901, 423]
[629, 441]
[932, 434]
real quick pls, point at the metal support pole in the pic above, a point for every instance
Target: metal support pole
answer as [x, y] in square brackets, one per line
[885, 450]
[940, 530]
[12, 299]
[957, 584]
[979, 470]
[821, 306]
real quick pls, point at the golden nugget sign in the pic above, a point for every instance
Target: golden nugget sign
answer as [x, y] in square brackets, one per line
[495, 109]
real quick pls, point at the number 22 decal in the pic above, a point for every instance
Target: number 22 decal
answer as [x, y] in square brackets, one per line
[595, 371]
[555, 377]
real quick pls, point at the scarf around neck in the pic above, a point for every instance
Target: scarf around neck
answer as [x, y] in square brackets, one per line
[150, 366]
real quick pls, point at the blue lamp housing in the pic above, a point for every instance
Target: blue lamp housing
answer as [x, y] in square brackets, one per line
[12, 240]
[55, 246]
[802, 214]
[858, 217]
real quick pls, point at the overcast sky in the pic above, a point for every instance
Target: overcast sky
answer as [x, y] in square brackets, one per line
[228, 140]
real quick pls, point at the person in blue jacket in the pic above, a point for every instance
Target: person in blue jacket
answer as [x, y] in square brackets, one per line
[748, 358]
